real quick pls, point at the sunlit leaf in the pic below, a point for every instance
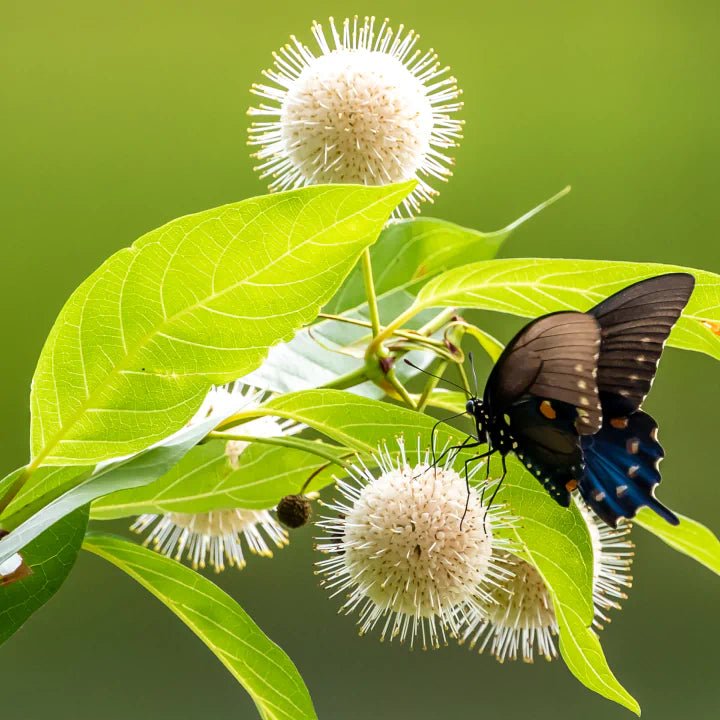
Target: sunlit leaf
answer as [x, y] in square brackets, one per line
[689, 537]
[50, 557]
[256, 662]
[193, 303]
[533, 287]
[582, 653]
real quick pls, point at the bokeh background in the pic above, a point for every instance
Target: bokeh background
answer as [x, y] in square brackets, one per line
[118, 116]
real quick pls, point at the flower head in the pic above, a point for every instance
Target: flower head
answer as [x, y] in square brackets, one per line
[399, 553]
[220, 535]
[521, 621]
[368, 108]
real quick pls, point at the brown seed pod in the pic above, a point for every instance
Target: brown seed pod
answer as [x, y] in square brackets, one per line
[294, 511]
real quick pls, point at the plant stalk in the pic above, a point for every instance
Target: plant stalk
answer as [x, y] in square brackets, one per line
[372, 301]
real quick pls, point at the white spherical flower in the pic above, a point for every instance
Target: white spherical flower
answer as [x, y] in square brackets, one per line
[366, 107]
[400, 555]
[521, 620]
[218, 536]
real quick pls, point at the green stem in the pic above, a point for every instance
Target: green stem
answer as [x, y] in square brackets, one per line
[405, 347]
[354, 377]
[405, 334]
[401, 390]
[367, 272]
[395, 325]
[438, 321]
[319, 449]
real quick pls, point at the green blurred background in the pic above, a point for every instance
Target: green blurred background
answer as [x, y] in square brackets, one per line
[118, 116]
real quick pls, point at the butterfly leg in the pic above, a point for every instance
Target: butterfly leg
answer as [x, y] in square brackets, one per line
[467, 478]
[432, 438]
[466, 444]
[495, 491]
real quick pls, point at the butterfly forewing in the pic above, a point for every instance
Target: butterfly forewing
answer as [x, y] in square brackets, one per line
[553, 358]
[635, 323]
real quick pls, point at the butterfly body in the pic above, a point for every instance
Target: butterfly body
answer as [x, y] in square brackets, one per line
[565, 397]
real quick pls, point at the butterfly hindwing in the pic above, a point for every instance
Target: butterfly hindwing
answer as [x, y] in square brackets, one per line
[621, 470]
[635, 323]
[548, 444]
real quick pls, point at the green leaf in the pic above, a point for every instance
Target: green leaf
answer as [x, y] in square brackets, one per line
[257, 663]
[556, 541]
[406, 255]
[582, 653]
[204, 480]
[689, 537]
[532, 287]
[50, 556]
[32, 519]
[196, 302]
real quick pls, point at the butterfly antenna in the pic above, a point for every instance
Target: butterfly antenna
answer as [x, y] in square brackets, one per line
[437, 377]
[474, 373]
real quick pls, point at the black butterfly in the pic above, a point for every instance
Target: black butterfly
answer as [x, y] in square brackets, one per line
[565, 397]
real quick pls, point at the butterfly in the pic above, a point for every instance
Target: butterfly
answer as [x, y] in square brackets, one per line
[566, 394]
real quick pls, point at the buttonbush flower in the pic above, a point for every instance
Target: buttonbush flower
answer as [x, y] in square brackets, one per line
[398, 553]
[220, 535]
[217, 535]
[521, 620]
[364, 107]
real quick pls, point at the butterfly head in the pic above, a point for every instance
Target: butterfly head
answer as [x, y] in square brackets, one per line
[476, 408]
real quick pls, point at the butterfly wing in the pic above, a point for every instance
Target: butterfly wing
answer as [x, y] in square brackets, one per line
[542, 394]
[622, 468]
[555, 358]
[635, 323]
[622, 458]
[548, 443]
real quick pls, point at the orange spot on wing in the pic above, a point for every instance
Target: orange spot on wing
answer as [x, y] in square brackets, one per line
[619, 423]
[547, 410]
[570, 485]
[713, 327]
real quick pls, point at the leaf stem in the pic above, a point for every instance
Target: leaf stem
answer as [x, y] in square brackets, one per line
[438, 321]
[396, 324]
[349, 379]
[401, 390]
[308, 446]
[367, 272]
[416, 335]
